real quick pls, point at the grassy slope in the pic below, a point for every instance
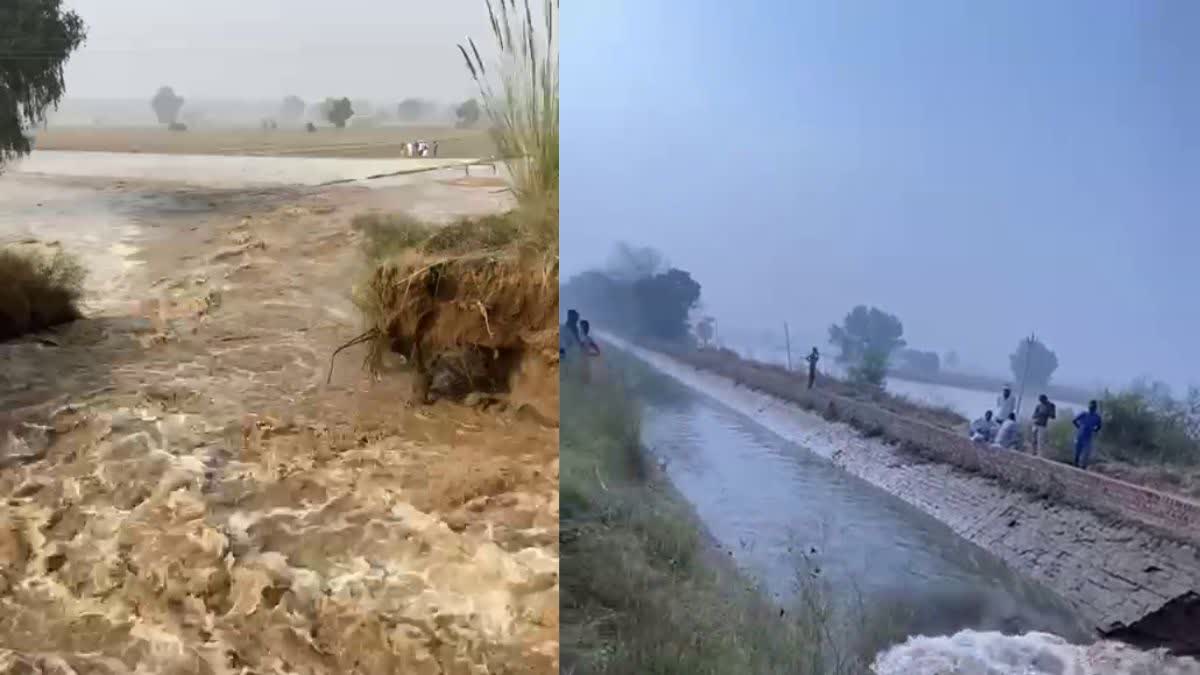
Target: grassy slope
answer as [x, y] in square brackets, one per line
[642, 591]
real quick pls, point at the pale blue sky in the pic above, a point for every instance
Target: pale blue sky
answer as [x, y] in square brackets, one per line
[981, 169]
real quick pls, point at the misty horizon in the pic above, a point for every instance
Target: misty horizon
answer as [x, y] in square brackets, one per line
[983, 172]
[269, 49]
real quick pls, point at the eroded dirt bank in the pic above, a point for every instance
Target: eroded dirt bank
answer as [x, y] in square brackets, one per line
[183, 493]
[1114, 573]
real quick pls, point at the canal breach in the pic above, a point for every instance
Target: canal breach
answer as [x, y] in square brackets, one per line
[1124, 556]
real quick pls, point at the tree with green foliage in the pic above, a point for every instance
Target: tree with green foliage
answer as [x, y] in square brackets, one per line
[871, 370]
[36, 39]
[337, 111]
[292, 109]
[1042, 362]
[662, 304]
[867, 330]
[166, 104]
[468, 113]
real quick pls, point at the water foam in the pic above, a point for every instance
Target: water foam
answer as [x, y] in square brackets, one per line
[972, 652]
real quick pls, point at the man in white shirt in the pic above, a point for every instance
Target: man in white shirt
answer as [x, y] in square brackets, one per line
[1006, 404]
[983, 429]
[1009, 436]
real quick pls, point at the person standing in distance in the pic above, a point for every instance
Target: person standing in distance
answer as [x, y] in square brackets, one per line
[1042, 414]
[812, 359]
[1087, 424]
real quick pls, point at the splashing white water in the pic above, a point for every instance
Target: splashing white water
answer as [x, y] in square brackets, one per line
[972, 652]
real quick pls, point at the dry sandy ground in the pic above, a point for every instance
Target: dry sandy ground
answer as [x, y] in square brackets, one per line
[183, 493]
[326, 142]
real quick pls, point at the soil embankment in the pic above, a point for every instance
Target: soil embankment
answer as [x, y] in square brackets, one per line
[185, 494]
[1124, 576]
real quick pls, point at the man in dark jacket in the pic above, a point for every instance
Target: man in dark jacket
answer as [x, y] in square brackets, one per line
[1042, 414]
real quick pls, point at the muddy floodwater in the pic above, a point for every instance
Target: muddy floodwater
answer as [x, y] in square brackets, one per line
[183, 491]
[787, 515]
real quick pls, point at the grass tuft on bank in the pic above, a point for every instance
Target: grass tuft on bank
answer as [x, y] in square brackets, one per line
[642, 591]
[38, 289]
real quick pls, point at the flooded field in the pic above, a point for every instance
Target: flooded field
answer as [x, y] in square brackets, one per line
[186, 494]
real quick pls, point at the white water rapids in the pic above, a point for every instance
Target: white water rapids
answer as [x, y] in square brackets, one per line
[971, 652]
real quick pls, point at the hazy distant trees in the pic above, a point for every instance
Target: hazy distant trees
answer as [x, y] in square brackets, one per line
[867, 331]
[926, 363]
[412, 109]
[292, 109]
[337, 111]
[1033, 362]
[637, 296]
[468, 113]
[38, 37]
[663, 302]
[167, 104]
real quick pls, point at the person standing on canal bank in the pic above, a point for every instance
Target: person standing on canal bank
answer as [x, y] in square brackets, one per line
[1087, 424]
[1042, 414]
[812, 359]
[1006, 404]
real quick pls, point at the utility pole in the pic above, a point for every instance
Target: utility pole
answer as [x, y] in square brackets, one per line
[1025, 371]
[787, 340]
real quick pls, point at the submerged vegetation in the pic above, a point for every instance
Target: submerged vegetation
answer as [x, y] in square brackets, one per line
[643, 591]
[38, 289]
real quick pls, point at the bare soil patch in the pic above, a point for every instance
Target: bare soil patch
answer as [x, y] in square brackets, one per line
[326, 142]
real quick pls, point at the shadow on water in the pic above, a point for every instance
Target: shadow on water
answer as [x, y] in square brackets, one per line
[788, 516]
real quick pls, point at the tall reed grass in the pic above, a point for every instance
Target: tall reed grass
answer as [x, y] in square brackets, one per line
[519, 89]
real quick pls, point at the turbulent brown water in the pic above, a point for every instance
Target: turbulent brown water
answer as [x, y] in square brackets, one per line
[182, 493]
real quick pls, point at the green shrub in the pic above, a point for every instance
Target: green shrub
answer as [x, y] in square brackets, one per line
[872, 371]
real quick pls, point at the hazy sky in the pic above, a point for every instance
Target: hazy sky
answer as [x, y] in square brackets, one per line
[266, 49]
[979, 169]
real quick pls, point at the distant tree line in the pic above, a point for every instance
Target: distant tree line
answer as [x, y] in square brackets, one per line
[637, 295]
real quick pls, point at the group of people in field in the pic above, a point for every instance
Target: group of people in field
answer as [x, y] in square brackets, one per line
[421, 149]
[1000, 429]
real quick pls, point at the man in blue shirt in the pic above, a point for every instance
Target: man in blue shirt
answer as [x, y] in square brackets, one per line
[1087, 423]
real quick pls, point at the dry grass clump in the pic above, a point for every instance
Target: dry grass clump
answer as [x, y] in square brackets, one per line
[476, 283]
[37, 289]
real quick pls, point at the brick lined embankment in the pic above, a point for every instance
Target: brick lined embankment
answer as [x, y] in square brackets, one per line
[1172, 516]
[1123, 555]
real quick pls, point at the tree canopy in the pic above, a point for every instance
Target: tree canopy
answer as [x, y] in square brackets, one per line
[166, 104]
[866, 330]
[337, 111]
[1041, 366]
[36, 39]
[638, 296]
[663, 302]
